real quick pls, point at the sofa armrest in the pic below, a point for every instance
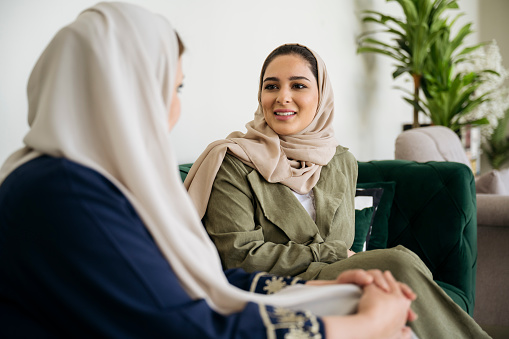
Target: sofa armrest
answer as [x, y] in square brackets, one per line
[434, 215]
[492, 210]
[493, 260]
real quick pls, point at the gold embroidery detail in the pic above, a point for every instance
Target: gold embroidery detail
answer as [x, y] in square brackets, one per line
[288, 316]
[274, 285]
[271, 289]
[295, 322]
[295, 280]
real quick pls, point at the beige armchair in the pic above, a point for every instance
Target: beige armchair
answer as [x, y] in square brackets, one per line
[438, 143]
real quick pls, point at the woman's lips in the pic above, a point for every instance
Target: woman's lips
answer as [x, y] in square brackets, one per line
[284, 114]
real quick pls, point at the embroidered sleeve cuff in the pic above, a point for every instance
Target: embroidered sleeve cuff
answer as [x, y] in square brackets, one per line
[284, 323]
[265, 283]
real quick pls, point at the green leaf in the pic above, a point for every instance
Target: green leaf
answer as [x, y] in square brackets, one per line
[379, 51]
[468, 50]
[414, 104]
[406, 90]
[478, 122]
[400, 70]
[499, 133]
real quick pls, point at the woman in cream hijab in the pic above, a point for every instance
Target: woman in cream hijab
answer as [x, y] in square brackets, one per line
[280, 198]
[98, 237]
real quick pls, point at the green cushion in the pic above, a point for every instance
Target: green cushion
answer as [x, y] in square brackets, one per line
[380, 229]
[362, 224]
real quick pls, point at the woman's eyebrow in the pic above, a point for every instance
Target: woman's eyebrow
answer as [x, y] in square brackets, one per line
[299, 78]
[271, 79]
[292, 78]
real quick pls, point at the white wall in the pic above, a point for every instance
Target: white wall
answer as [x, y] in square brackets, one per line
[227, 41]
[494, 25]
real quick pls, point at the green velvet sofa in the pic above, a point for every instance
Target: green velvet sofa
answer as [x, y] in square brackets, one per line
[434, 214]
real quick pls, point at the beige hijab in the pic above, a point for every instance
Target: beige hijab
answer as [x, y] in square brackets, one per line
[293, 160]
[100, 95]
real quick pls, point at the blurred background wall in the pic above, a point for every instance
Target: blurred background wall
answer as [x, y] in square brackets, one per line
[227, 41]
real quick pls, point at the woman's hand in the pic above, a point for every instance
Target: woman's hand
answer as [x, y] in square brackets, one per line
[381, 314]
[361, 278]
[364, 278]
[384, 280]
[379, 278]
[390, 309]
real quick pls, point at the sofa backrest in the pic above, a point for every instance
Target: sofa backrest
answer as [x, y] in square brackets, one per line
[433, 143]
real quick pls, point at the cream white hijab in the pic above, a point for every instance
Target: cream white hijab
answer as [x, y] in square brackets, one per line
[293, 160]
[100, 95]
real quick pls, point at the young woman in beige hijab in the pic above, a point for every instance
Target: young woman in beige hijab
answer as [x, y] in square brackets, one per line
[98, 237]
[280, 198]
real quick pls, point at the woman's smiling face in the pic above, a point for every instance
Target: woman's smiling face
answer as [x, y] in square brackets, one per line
[289, 95]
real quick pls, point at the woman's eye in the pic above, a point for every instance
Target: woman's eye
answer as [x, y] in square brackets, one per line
[179, 89]
[299, 86]
[270, 87]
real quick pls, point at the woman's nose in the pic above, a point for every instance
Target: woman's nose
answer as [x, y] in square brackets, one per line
[284, 96]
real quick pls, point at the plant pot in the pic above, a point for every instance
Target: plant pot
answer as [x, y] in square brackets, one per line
[410, 126]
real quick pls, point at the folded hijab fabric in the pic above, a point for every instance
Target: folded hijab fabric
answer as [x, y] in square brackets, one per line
[293, 160]
[100, 96]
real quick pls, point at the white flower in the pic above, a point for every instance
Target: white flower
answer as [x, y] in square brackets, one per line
[488, 57]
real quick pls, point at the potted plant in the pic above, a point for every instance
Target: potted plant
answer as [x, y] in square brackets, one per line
[450, 94]
[422, 46]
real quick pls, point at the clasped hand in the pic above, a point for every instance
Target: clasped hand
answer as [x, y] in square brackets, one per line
[384, 308]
